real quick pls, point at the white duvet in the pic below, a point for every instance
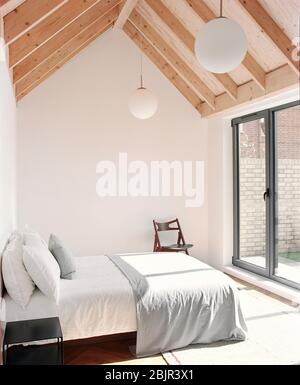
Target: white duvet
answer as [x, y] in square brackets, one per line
[98, 301]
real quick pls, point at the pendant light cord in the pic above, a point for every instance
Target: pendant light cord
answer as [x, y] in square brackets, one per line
[221, 8]
[142, 86]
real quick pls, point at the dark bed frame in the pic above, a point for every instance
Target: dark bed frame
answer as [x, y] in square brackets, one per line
[2, 324]
[1, 277]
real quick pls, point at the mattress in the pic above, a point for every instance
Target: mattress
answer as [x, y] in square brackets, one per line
[97, 301]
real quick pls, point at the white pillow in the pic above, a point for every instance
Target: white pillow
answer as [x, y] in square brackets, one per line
[34, 240]
[16, 234]
[17, 281]
[43, 269]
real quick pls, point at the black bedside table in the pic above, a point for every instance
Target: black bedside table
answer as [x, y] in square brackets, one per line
[20, 332]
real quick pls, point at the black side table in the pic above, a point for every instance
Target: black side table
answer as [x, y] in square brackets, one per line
[20, 332]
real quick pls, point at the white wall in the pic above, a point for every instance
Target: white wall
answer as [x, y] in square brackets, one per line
[7, 158]
[7, 153]
[78, 117]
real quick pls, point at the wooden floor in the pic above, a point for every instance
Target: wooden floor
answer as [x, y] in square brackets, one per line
[118, 351]
[108, 352]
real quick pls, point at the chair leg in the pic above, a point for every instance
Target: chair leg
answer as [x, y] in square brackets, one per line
[155, 246]
[187, 252]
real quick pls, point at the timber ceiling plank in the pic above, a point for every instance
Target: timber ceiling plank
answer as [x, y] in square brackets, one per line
[57, 30]
[95, 29]
[269, 27]
[58, 66]
[188, 39]
[57, 41]
[173, 58]
[283, 78]
[125, 13]
[48, 27]
[160, 62]
[25, 15]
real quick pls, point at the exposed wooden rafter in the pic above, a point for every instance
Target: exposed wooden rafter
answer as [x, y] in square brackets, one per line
[3, 2]
[41, 36]
[281, 79]
[61, 38]
[64, 54]
[160, 62]
[125, 13]
[251, 65]
[275, 33]
[27, 14]
[173, 58]
[58, 66]
[189, 40]
[48, 27]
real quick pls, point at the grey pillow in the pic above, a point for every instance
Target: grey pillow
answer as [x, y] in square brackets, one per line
[63, 256]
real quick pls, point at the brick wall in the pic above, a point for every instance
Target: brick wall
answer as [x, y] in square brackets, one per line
[253, 217]
[252, 136]
[252, 183]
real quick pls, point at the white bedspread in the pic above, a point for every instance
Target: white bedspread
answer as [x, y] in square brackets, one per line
[180, 301]
[98, 301]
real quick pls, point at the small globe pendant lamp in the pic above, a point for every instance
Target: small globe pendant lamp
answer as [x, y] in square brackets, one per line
[142, 102]
[221, 45]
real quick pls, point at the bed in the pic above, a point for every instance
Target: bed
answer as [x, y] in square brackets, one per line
[170, 299]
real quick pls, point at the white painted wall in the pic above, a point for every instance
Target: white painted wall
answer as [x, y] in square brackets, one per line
[7, 154]
[7, 157]
[78, 117]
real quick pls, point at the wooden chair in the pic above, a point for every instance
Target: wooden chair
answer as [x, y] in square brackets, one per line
[170, 226]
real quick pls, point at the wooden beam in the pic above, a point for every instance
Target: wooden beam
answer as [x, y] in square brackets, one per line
[125, 13]
[2, 2]
[271, 29]
[61, 38]
[160, 62]
[283, 78]
[43, 31]
[24, 16]
[255, 70]
[3, 47]
[58, 66]
[171, 20]
[188, 39]
[249, 63]
[173, 58]
[63, 54]
[10, 5]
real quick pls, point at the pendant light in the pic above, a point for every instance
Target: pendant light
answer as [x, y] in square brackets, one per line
[142, 102]
[221, 45]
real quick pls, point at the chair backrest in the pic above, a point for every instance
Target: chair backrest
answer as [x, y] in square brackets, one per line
[169, 226]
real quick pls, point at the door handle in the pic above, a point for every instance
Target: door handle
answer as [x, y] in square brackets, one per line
[267, 194]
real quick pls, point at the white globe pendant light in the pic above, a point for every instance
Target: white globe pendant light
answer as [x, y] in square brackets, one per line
[142, 102]
[221, 45]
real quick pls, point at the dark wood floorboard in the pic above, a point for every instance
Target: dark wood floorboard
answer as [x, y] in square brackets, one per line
[99, 353]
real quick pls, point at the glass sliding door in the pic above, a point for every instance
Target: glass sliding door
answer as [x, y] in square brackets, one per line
[252, 186]
[287, 185]
[267, 193]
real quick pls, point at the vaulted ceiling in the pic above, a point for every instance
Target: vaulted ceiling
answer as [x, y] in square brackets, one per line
[42, 35]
